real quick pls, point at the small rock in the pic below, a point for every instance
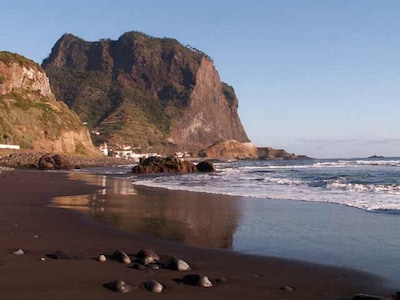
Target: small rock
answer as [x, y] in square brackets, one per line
[153, 266]
[102, 258]
[148, 256]
[119, 286]
[221, 280]
[121, 256]
[19, 252]
[62, 255]
[287, 289]
[366, 297]
[153, 286]
[139, 267]
[197, 280]
[175, 263]
[36, 236]
[43, 259]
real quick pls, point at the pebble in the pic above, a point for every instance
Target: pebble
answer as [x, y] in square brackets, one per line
[197, 280]
[287, 288]
[153, 266]
[102, 258]
[221, 280]
[19, 252]
[119, 286]
[153, 286]
[121, 256]
[148, 256]
[139, 267]
[175, 263]
[366, 297]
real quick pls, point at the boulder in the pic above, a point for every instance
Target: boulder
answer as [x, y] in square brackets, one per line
[55, 162]
[205, 166]
[155, 164]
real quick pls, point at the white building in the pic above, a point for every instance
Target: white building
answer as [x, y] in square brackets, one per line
[4, 146]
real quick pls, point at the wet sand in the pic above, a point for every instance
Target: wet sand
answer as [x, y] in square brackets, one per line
[28, 222]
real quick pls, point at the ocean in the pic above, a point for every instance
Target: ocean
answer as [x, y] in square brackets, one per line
[343, 212]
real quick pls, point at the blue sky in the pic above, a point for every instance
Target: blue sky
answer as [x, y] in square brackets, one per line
[320, 78]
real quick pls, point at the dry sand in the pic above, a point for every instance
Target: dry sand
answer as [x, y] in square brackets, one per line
[27, 222]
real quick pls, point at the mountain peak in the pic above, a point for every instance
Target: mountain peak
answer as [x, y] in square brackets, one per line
[146, 92]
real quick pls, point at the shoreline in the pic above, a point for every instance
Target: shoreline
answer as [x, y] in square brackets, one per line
[29, 223]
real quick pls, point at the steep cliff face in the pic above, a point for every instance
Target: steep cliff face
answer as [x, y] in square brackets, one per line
[145, 92]
[31, 116]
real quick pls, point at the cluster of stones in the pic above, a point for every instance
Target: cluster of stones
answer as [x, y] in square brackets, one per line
[148, 259]
[155, 164]
[31, 159]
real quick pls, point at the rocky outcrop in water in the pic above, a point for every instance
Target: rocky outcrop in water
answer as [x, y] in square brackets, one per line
[156, 164]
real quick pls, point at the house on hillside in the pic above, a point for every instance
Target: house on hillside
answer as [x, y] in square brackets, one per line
[5, 146]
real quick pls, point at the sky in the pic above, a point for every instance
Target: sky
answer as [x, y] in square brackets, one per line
[314, 77]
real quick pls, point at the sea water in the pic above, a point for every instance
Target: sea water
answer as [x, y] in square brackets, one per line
[343, 212]
[368, 184]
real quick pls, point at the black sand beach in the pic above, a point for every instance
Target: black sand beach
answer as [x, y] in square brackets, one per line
[30, 223]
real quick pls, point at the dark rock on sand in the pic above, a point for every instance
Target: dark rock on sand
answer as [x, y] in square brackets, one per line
[147, 256]
[119, 286]
[175, 263]
[205, 166]
[153, 286]
[155, 164]
[62, 255]
[221, 280]
[55, 162]
[287, 289]
[367, 297]
[197, 280]
[140, 267]
[121, 256]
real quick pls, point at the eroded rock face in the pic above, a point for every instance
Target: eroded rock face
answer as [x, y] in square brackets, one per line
[25, 76]
[231, 149]
[30, 115]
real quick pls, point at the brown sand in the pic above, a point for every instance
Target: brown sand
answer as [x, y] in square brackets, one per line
[27, 222]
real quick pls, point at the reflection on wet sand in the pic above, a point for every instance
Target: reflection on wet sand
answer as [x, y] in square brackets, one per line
[195, 219]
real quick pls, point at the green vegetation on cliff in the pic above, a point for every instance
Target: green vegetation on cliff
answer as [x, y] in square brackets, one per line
[9, 58]
[30, 116]
[134, 89]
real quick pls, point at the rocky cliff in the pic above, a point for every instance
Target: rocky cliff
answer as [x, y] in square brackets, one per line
[145, 92]
[231, 149]
[30, 115]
